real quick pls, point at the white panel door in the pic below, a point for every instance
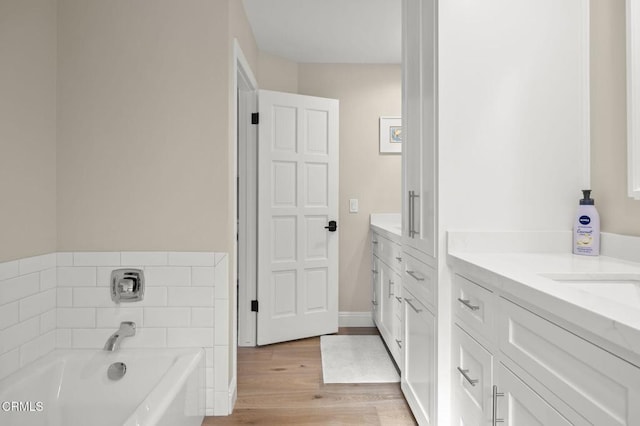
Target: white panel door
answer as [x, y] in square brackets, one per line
[297, 198]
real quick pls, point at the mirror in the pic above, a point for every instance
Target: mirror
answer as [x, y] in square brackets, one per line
[633, 96]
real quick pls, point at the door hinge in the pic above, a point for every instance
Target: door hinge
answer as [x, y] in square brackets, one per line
[255, 118]
[254, 306]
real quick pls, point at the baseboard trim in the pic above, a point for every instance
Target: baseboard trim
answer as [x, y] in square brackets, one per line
[233, 394]
[355, 319]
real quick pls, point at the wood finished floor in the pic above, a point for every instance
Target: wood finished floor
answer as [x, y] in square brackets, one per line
[282, 384]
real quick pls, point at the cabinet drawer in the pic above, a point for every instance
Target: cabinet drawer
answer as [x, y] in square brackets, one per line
[376, 244]
[602, 387]
[517, 404]
[418, 380]
[382, 246]
[393, 256]
[398, 304]
[388, 251]
[419, 278]
[390, 285]
[472, 379]
[473, 306]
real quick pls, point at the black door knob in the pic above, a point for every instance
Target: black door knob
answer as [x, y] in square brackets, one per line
[333, 226]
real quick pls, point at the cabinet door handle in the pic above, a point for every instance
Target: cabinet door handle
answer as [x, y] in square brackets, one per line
[390, 290]
[468, 304]
[374, 271]
[399, 299]
[399, 343]
[374, 242]
[416, 276]
[374, 303]
[412, 213]
[411, 304]
[410, 200]
[398, 258]
[495, 418]
[471, 381]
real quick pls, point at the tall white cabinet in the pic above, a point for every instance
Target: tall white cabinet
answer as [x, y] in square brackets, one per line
[420, 126]
[496, 137]
[419, 207]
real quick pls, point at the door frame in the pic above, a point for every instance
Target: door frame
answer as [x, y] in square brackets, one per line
[245, 199]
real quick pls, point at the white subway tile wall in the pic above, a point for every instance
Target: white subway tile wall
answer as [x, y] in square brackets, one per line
[27, 311]
[62, 300]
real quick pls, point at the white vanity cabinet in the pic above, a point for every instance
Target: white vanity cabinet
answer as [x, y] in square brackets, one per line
[418, 376]
[387, 292]
[487, 393]
[419, 125]
[483, 83]
[376, 307]
[512, 364]
[516, 404]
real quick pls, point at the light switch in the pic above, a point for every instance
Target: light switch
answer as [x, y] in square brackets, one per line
[353, 205]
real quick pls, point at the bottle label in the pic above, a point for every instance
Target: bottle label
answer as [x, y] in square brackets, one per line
[584, 220]
[584, 237]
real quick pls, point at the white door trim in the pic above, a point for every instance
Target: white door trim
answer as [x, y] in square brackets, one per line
[244, 79]
[247, 217]
[245, 102]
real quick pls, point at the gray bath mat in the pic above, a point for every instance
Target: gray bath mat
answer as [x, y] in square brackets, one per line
[356, 359]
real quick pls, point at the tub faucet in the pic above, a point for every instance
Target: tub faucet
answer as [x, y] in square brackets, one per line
[127, 329]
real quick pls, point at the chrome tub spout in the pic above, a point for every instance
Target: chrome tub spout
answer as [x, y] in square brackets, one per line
[127, 329]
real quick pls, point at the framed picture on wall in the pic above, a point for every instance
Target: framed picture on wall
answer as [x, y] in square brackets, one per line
[390, 135]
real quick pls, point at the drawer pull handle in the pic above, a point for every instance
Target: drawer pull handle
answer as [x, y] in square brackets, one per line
[468, 304]
[399, 299]
[496, 394]
[471, 381]
[412, 214]
[399, 259]
[416, 276]
[411, 304]
[399, 343]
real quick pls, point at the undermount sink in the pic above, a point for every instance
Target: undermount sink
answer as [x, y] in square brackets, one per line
[618, 287]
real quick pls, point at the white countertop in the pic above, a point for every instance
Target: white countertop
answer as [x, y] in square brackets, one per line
[613, 315]
[390, 223]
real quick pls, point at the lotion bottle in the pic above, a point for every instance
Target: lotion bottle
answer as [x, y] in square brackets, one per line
[586, 229]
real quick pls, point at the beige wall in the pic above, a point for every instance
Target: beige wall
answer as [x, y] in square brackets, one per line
[143, 125]
[618, 213]
[27, 128]
[276, 73]
[366, 92]
[240, 30]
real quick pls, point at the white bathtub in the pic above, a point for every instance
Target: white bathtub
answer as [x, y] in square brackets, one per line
[71, 387]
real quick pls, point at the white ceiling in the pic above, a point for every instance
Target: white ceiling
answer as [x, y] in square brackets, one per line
[328, 31]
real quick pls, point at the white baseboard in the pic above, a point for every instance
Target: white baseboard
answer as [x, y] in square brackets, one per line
[355, 319]
[233, 394]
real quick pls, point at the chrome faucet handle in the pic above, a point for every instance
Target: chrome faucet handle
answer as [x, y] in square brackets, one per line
[126, 286]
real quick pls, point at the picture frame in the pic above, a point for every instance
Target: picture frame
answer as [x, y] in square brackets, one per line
[390, 135]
